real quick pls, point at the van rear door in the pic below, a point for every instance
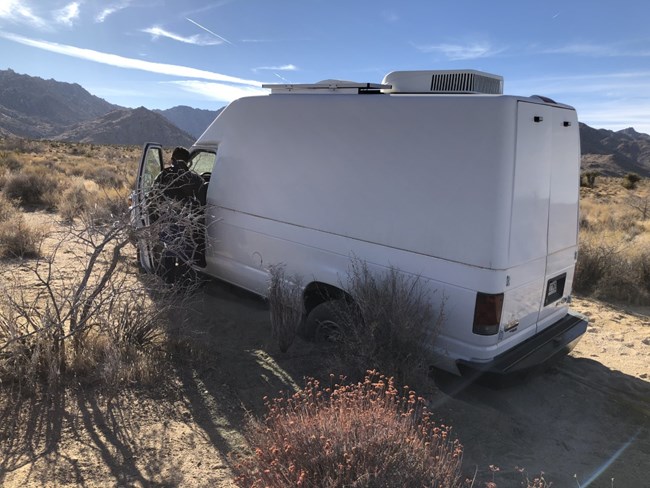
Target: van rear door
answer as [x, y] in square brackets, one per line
[528, 242]
[562, 216]
[151, 164]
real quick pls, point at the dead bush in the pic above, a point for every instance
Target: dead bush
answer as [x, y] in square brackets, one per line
[32, 188]
[285, 301]
[390, 324]
[18, 239]
[610, 271]
[368, 434]
[94, 321]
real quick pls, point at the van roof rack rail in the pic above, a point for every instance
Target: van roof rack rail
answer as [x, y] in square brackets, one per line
[328, 86]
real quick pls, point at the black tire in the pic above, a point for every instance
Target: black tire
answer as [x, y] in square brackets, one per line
[326, 322]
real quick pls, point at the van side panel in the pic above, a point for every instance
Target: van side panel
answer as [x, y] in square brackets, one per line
[431, 175]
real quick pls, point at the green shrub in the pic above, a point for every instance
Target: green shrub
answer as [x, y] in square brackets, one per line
[368, 434]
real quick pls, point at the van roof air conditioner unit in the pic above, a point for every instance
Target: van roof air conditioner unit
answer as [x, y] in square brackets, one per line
[451, 81]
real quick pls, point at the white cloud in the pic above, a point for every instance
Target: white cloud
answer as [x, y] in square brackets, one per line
[596, 50]
[459, 52]
[68, 14]
[128, 63]
[19, 12]
[218, 91]
[110, 10]
[284, 67]
[196, 40]
[617, 115]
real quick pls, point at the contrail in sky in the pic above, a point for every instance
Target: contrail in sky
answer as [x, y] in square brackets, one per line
[129, 63]
[209, 31]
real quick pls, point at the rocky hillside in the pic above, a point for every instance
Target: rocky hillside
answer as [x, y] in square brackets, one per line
[35, 108]
[615, 153]
[194, 121]
[128, 126]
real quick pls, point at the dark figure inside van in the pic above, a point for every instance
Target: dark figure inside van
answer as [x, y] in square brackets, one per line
[177, 209]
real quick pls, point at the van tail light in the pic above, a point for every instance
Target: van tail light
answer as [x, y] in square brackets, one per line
[487, 314]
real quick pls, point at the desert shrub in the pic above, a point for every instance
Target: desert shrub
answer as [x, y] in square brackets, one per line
[7, 208]
[630, 180]
[10, 162]
[588, 179]
[390, 324]
[92, 322]
[368, 434]
[74, 201]
[32, 188]
[286, 304]
[612, 271]
[105, 177]
[590, 267]
[640, 204]
[18, 239]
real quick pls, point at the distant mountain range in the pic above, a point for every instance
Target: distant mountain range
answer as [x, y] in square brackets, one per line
[47, 109]
[615, 153]
[35, 108]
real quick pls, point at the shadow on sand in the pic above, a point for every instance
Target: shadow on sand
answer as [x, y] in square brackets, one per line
[578, 417]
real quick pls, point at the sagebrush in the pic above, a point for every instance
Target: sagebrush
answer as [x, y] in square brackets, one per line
[367, 434]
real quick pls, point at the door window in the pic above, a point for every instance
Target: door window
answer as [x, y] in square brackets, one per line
[203, 162]
[151, 168]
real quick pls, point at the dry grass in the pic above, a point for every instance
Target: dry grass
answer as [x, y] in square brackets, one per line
[390, 326]
[91, 321]
[17, 238]
[614, 253]
[368, 434]
[285, 301]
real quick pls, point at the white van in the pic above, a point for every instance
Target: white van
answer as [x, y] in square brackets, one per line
[437, 174]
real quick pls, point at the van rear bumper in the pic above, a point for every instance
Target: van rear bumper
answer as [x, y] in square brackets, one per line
[552, 343]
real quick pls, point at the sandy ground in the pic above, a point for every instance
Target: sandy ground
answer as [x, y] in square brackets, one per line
[588, 416]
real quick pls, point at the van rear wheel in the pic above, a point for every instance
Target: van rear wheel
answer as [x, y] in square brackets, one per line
[326, 322]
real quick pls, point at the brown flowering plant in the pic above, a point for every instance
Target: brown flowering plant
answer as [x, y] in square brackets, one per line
[367, 434]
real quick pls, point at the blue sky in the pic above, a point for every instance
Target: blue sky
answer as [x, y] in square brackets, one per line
[594, 55]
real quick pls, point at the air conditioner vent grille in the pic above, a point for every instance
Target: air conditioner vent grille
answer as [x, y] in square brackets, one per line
[453, 81]
[465, 83]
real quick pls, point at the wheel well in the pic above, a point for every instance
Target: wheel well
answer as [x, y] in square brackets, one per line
[316, 293]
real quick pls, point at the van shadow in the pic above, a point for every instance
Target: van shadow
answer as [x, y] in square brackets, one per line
[237, 363]
[577, 418]
[576, 421]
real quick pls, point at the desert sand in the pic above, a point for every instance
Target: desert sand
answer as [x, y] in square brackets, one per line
[585, 420]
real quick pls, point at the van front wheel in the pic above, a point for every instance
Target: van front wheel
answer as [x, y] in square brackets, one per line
[326, 322]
